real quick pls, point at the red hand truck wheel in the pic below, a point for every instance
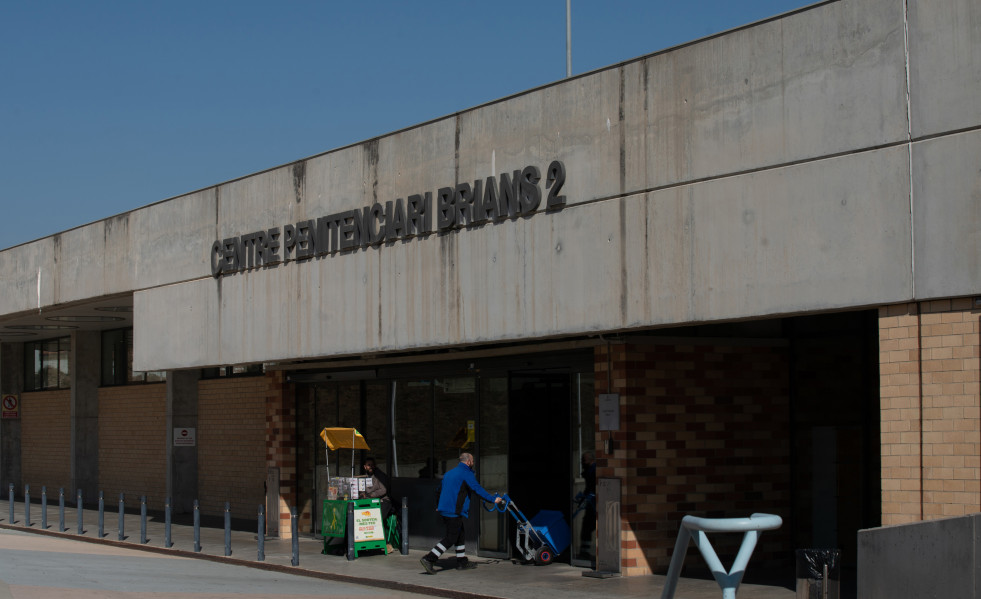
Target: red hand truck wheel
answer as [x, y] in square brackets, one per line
[544, 556]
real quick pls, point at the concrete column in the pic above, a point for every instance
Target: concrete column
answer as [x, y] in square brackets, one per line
[86, 376]
[182, 461]
[11, 381]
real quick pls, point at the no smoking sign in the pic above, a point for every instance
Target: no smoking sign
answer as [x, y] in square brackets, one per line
[11, 406]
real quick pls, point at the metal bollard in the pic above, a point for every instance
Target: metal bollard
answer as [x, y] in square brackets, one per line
[228, 530]
[102, 514]
[294, 531]
[261, 537]
[27, 505]
[167, 508]
[404, 533]
[78, 499]
[11, 504]
[61, 510]
[197, 527]
[142, 519]
[44, 508]
[350, 531]
[122, 513]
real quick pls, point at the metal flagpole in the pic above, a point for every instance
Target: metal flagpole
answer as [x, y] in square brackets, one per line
[568, 38]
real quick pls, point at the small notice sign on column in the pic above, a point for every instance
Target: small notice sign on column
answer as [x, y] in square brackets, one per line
[184, 437]
[609, 411]
[11, 406]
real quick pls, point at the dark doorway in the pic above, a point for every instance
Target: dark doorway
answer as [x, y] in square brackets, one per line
[539, 466]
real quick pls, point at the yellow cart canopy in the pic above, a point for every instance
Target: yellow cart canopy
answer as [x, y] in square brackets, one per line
[343, 438]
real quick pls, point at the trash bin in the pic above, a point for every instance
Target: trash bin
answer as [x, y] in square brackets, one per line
[818, 573]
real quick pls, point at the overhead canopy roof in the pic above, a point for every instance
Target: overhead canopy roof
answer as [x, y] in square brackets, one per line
[343, 438]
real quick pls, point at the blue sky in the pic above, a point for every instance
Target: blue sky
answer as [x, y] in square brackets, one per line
[106, 106]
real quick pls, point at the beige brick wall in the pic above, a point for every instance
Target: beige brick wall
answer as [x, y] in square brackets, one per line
[133, 444]
[231, 437]
[46, 442]
[704, 429]
[930, 410]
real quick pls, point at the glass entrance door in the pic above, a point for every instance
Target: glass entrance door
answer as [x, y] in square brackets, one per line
[492, 469]
[583, 524]
[527, 431]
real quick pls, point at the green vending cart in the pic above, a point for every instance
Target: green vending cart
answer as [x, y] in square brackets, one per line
[368, 530]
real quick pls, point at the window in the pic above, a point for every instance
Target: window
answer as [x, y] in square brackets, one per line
[117, 361]
[223, 371]
[46, 364]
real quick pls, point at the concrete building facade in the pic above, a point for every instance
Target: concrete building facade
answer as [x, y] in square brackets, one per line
[763, 247]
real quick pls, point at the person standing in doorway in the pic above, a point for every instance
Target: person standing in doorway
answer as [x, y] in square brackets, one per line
[454, 507]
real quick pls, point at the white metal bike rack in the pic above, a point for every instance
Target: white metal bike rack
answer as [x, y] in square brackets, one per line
[695, 528]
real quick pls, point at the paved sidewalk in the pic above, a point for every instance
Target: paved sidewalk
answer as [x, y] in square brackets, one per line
[491, 579]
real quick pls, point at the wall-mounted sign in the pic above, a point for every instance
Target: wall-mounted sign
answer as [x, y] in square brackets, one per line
[609, 411]
[184, 437]
[10, 406]
[489, 200]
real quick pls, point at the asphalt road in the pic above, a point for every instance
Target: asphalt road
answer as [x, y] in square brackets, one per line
[43, 567]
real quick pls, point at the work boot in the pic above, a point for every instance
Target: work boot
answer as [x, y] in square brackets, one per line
[465, 565]
[428, 565]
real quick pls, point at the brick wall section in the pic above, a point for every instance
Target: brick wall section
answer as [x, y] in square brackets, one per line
[704, 431]
[133, 444]
[281, 443]
[46, 442]
[231, 439]
[930, 410]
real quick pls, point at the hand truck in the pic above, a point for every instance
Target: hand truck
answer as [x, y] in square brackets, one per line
[540, 539]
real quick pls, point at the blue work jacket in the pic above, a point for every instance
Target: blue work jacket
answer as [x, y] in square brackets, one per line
[454, 497]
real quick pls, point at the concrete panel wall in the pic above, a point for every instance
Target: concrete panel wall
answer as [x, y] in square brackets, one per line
[193, 331]
[23, 268]
[938, 558]
[152, 246]
[767, 242]
[822, 82]
[945, 65]
[818, 235]
[164, 242]
[78, 256]
[778, 238]
[947, 193]
[757, 173]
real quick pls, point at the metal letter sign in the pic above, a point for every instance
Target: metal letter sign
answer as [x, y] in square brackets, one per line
[463, 205]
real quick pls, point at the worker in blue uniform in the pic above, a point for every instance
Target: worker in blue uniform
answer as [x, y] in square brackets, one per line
[454, 507]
